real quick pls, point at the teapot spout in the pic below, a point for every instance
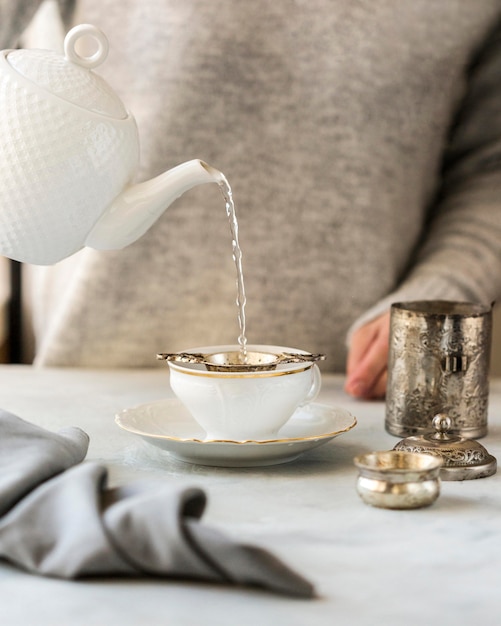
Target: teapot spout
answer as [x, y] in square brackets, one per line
[139, 206]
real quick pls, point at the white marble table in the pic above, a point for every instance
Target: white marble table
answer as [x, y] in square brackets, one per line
[439, 565]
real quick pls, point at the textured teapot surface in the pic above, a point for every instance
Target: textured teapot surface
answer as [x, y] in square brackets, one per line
[69, 147]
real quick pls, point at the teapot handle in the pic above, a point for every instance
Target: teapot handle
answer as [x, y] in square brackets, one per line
[86, 30]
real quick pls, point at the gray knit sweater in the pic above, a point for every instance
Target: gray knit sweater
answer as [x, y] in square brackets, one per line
[362, 141]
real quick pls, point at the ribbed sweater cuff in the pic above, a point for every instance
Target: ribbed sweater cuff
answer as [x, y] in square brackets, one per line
[433, 288]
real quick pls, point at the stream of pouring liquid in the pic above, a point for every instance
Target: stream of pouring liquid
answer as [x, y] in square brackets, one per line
[237, 257]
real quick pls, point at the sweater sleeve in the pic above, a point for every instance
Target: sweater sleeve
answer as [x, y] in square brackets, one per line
[459, 256]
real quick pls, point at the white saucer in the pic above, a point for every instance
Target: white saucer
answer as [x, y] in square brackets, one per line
[168, 425]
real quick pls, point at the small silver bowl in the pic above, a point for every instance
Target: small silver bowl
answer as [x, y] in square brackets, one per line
[398, 480]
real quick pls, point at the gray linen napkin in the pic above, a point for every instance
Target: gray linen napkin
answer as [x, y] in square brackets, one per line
[59, 518]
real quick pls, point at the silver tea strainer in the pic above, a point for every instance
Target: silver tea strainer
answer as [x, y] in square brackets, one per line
[238, 360]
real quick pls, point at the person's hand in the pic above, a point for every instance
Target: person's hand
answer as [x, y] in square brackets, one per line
[367, 362]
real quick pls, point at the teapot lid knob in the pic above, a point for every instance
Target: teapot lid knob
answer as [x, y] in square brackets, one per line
[86, 30]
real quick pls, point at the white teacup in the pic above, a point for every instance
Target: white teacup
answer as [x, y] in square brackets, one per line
[244, 405]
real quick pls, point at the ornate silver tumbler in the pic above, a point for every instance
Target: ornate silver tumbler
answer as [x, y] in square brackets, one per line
[438, 362]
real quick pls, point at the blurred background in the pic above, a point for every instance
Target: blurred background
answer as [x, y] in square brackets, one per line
[48, 28]
[11, 322]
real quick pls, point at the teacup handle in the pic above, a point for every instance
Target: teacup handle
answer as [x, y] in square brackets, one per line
[315, 386]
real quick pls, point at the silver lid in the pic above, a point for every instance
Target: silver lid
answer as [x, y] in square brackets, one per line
[463, 459]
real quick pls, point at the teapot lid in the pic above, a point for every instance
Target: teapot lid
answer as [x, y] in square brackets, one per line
[70, 77]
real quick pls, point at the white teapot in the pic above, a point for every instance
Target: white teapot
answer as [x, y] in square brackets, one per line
[68, 153]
